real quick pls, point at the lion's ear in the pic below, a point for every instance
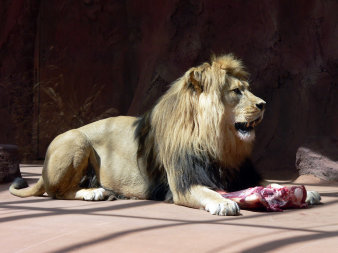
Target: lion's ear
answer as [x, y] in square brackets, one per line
[195, 79]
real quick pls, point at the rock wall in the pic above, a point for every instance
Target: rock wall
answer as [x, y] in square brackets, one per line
[132, 51]
[17, 39]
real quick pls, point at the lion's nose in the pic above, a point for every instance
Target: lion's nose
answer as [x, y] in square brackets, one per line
[261, 106]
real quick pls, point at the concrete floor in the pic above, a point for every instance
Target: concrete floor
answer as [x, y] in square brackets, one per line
[40, 224]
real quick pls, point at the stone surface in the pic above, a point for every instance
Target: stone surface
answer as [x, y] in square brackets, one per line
[39, 224]
[319, 157]
[311, 180]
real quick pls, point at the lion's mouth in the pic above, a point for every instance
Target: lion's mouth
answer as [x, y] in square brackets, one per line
[246, 127]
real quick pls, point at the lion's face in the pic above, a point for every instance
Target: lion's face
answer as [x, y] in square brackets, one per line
[223, 84]
[247, 109]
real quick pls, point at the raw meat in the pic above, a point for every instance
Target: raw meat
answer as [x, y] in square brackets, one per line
[273, 197]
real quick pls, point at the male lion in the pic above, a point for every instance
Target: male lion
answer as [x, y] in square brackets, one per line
[197, 139]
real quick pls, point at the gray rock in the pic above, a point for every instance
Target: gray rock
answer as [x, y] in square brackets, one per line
[319, 157]
[9, 163]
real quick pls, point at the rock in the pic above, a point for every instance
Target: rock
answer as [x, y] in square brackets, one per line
[319, 157]
[9, 163]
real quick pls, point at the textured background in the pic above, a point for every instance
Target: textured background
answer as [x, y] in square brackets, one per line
[67, 63]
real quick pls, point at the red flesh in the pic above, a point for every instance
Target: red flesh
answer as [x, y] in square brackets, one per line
[271, 198]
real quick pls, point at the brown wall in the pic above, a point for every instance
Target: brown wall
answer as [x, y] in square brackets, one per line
[99, 58]
[17, 41]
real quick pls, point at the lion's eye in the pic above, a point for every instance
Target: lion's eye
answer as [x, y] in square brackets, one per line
[237, 91]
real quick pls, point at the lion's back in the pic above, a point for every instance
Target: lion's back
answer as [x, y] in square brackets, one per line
[109, 130]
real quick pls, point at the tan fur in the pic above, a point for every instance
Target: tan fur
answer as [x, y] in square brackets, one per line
[196, 115]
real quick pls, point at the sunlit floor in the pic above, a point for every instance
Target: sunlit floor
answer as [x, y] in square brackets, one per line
[40, 224]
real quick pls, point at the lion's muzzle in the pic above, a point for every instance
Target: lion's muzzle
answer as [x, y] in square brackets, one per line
[246, 127]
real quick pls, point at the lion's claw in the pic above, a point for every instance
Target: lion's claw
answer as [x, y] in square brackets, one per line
[226, 208]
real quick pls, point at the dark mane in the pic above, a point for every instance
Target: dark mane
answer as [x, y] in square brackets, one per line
[204, 171]
[158, 188]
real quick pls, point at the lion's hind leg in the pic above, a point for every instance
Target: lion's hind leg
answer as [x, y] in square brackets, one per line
[66, 164]
[90, 194]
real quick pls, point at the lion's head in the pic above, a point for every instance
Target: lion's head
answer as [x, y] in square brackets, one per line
[209, 111]
[245, 110]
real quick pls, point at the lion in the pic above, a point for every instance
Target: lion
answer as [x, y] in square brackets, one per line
[197, 139]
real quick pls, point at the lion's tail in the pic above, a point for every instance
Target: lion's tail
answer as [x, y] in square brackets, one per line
[17, 186]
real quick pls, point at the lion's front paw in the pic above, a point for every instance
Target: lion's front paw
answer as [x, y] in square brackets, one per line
[312, 198]
[226, 207]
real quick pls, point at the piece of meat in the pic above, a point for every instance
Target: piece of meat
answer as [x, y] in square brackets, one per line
[273, 197]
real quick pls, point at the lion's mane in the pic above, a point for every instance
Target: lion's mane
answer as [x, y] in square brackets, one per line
[187, 137]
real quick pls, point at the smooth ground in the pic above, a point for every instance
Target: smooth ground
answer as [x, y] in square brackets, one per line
[41, 224]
